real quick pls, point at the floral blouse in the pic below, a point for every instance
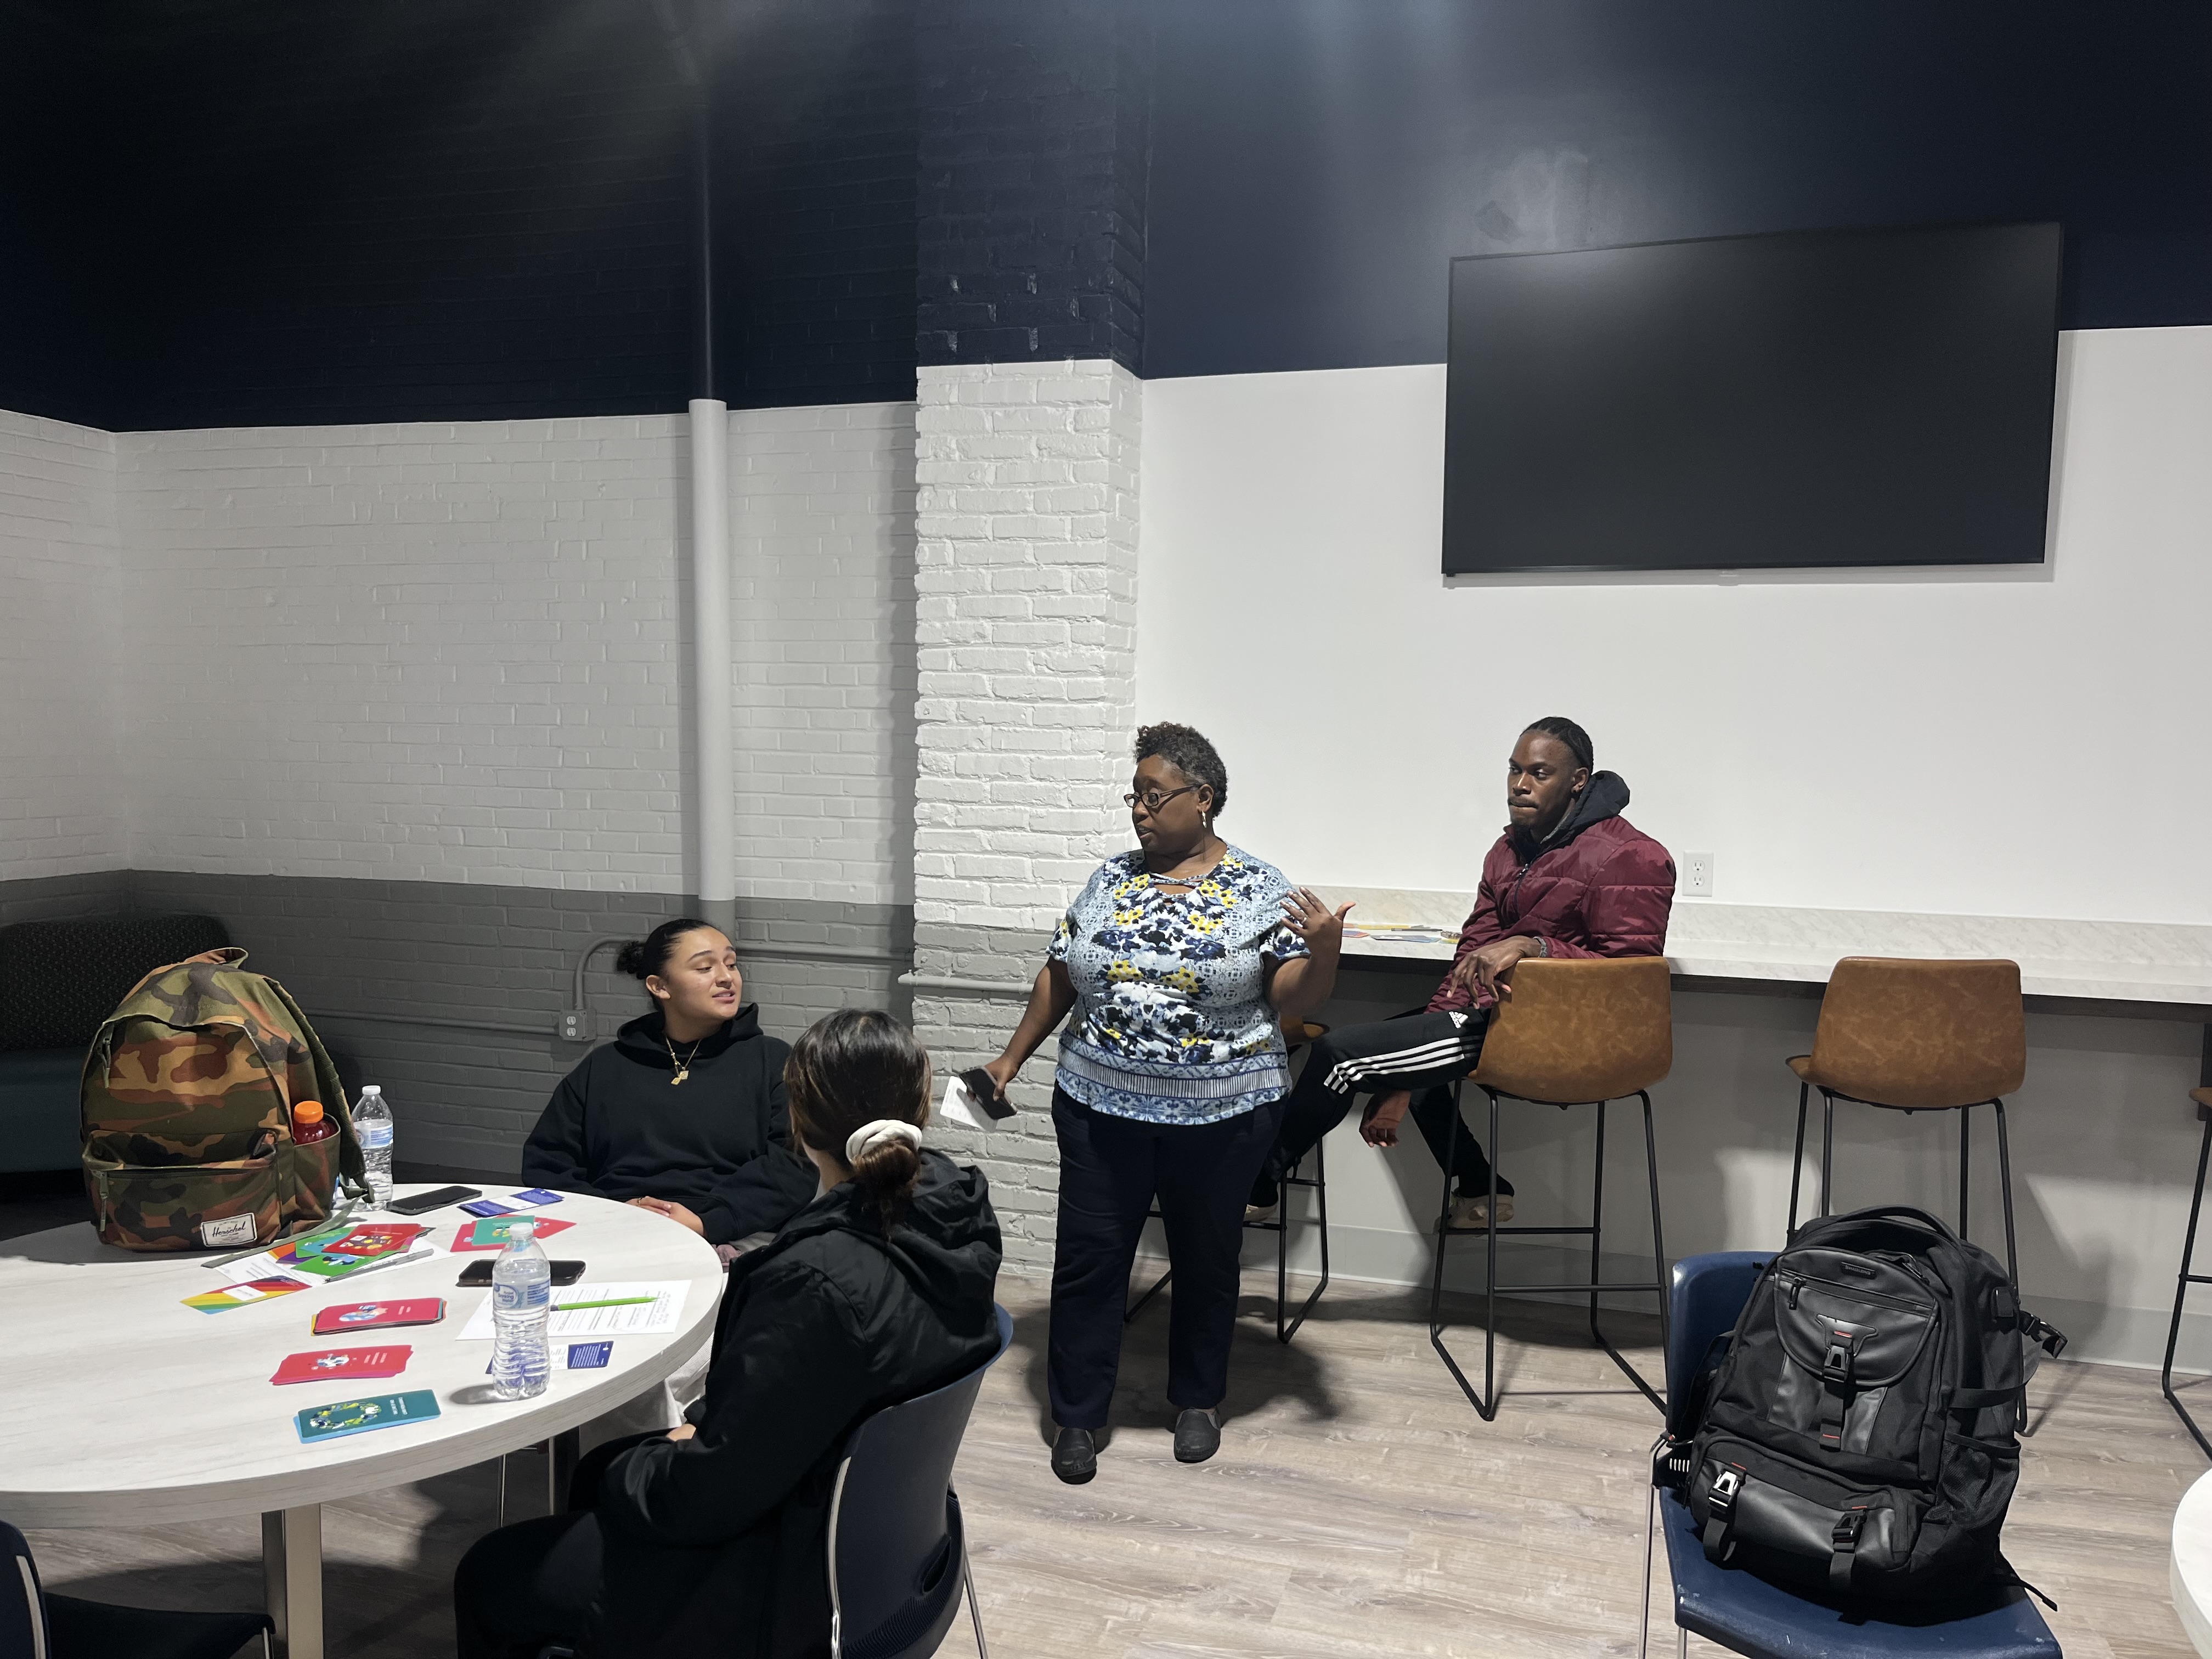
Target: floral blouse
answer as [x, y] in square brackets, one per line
[1171, 1021]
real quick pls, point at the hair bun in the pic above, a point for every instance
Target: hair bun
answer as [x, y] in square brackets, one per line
[630, 959]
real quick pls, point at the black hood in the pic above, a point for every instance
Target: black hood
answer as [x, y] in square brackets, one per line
[946, 1249]
[1603, 797]
[646, 1037]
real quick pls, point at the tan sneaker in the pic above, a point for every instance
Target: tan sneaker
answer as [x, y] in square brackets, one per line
[1473, 1213]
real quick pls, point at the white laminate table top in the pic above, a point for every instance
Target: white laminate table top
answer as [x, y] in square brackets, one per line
[120, 1406]
[2191, 1563]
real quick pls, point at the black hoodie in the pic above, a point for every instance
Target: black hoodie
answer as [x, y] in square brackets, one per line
[718, 1143]
[716, 1545]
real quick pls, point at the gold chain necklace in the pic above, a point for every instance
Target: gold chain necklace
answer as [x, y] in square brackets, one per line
[682, 1066]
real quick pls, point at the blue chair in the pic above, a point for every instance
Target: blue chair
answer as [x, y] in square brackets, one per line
[1748, 1615]
[898, 1553]
[36, 1625]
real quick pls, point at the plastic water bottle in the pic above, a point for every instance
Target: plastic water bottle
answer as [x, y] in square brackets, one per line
[521, 1307]
[371, 1121]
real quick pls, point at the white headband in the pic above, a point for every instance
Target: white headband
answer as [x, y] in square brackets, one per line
[881, 1133]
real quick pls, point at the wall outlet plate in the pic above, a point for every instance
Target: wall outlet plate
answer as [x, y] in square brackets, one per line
[575, 1026]
[1696, 875]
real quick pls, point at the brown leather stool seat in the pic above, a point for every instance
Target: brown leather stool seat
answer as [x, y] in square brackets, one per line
[2202, 1100]
[1911, 1036]
[1573, 1033]
[1297, 1033]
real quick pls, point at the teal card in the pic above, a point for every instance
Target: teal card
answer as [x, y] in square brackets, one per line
[382, 1411]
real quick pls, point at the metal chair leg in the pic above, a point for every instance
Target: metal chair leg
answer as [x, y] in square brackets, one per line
[2004, 1191]
[1651, 1533]
[1658, 1239]
[1797, 1160]
[1489, 1271]
[1485, 1409]
[1658, 1286]
[2181, 1290]
[1319, 1186]
[974, 1607]
[1965, 1155]
[1827, 1144]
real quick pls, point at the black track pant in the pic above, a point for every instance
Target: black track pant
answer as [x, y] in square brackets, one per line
[1423, 1051]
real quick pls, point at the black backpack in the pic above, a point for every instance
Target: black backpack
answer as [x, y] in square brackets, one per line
[1858, 1437]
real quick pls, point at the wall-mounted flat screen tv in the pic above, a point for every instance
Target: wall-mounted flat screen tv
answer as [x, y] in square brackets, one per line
[1822, 397]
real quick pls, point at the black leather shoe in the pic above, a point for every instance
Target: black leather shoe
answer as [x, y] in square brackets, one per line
[1074, 1458]
[1197, 1436]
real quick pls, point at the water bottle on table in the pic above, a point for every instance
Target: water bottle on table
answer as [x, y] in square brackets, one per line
[371, 1121]
[521, 1309]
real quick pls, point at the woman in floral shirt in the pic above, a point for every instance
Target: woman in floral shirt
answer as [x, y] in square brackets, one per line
[1179, 961]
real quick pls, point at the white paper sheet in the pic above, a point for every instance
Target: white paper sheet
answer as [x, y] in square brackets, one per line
[662, 1311]
[958, 1107]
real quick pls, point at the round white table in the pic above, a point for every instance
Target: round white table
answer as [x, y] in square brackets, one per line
[126, 1409]
[2191, 1566]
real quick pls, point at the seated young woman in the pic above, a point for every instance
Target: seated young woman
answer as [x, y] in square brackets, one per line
[711, 1539]
[683, 1112]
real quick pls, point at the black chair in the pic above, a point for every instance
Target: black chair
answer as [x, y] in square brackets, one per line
[34, 1625]
[1576, 1033]
[2202, 1100]
[898, 1551]
[1316, 1184]
[1747, 1615]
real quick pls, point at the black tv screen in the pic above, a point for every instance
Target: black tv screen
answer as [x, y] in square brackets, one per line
[1824, 397]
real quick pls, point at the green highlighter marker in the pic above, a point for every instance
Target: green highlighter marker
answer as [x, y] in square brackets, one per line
[611, 1302]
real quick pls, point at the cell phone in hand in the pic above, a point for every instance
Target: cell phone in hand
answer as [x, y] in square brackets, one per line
[477, 1275]
[424, 1202]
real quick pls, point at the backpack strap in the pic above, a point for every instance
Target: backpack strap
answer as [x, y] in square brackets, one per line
[1835, 1385]
[1720, 1514]
[1843, 1550]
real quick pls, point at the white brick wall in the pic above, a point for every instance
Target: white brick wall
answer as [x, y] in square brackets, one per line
[61, 810]
[1026, 584]
[456, 652]
[1026, 591]
[823, 533]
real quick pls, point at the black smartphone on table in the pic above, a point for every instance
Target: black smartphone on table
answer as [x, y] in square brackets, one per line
[477, 1275]
[436, 1199]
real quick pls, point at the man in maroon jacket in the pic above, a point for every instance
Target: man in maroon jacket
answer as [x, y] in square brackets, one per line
[1569, 878]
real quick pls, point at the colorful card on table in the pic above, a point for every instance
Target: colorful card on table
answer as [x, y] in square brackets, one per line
[589, 1356]
[485, 1206]
[345, 1318]
[536, 1195]
[383, 1411]
[244, 1294]
[329, 1364]
[491, 1234]
[365, 1244]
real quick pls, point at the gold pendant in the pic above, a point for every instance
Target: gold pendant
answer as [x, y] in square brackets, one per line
[679, 1077]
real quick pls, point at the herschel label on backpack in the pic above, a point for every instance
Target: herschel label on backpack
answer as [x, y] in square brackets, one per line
[1859, 1436]
[187, 1113]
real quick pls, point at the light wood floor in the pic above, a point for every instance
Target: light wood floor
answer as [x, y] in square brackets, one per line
[1358, 1507]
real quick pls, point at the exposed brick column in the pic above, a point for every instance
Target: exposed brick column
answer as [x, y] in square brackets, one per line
[1028, 431]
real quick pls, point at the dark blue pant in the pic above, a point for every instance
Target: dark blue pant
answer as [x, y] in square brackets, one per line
[1110, 1169]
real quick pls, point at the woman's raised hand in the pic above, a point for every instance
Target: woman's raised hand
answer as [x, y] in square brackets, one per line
[1313, 921]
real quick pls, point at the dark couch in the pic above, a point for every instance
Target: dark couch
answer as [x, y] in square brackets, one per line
[58, 980]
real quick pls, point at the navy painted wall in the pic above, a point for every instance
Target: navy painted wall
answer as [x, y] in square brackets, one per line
[1316, 163]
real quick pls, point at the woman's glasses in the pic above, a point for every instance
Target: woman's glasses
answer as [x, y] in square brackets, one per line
[1154, 799]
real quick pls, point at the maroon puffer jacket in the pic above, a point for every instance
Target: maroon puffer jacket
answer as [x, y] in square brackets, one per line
[1603, 888]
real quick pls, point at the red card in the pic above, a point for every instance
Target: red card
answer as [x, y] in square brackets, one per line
[342, 1364]
[344, 1318]
[375, 1241]
[491, 1234]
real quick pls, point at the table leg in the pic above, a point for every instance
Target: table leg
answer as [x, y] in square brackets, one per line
[563, 1453]
[292, 1568]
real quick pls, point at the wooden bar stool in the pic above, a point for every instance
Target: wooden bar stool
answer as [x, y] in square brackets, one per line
[1917, 1037]
[1575, 1033]
[1297, 1033]
[2203, 1100]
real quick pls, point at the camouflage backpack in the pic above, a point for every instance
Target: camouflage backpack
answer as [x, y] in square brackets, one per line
[187, 1097]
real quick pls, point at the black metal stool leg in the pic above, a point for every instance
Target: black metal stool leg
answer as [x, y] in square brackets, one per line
[1797, 1161]
[2181, 1289]
[1658, 1240]
[2004, 1191]
[1486, 1412]
[1966, 1151]
[1827, 1144]
[1597, 1221]
[1658, 1285]
[1319, 1186]
[1490, 1269]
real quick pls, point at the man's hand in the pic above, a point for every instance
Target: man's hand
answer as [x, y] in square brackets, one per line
[1490, 969]
[673, 1211]
[1384, 1114]
[681, 1432]
[1312, 921]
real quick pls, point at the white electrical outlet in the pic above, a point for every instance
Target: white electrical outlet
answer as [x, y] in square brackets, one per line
[1696, 875]
[575, 1026]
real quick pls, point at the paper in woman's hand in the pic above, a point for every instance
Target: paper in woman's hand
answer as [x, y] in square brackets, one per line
[974, 1105]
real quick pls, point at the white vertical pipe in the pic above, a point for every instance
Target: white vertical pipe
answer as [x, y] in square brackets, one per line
[712, 659]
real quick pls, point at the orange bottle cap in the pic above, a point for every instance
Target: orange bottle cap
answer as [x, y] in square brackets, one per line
[308, 1111]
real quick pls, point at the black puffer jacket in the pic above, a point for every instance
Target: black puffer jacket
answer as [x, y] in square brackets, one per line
[714, 1545]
